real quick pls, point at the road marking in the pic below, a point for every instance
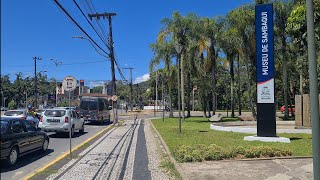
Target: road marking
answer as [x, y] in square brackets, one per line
[63, 155]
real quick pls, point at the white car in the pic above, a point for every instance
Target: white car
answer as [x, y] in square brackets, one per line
[57, 120]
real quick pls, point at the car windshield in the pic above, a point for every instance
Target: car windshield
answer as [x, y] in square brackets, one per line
[4, 125]
[89, 105]
[55, 113]
[13, 113]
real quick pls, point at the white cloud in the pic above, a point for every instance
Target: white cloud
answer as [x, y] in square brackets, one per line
[141, 79]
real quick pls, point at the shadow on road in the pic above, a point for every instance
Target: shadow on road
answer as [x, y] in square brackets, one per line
[25, 160]
[66, 135]
[99, 123]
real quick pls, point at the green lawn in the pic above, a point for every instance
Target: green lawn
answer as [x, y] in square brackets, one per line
[197, 131]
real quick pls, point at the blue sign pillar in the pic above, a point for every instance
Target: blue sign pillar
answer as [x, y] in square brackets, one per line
[266, 112]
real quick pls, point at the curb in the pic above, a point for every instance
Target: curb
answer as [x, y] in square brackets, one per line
[179, 168]
[29, 176]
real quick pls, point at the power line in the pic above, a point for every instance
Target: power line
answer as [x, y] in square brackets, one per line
[103, 40]
[98, 22]
[67, 64]
[75, 22]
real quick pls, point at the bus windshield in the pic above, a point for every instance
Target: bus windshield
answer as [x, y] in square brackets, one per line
[89, 105]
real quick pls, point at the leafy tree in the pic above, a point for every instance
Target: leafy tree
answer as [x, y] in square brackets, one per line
[97, 89]
[12, 105]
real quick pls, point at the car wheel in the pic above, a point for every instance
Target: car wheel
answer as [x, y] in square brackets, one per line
[45, 144]
[13, 156]
[82, 129]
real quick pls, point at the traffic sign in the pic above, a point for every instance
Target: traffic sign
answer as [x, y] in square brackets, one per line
[69, 83]
[114, 98]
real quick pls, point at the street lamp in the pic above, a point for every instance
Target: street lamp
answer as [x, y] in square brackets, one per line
[178, 48]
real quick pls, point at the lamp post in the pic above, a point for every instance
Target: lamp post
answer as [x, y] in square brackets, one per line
[314, 92]
[178, 48]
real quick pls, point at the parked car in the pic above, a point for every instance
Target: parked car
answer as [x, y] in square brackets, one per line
[20, 137]
[21, 114]
[57, 120]
[291, 109]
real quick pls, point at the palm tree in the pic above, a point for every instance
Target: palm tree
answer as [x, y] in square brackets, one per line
[230, 44]
[282, 12]
[163, 51]
[243, 20]
[177, 30]
[211, 30]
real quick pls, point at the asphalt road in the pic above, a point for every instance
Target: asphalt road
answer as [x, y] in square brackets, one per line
[58, 145]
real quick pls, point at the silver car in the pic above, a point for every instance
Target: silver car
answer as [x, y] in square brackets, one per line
[17, 113]
[57, 120]
[21, 114]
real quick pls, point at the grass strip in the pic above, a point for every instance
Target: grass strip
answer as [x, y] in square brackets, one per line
[196, 131]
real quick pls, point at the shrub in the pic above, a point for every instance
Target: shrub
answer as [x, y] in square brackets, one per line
[12, 105]
[198, 153]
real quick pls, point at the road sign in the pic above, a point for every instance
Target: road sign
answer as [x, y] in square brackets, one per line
[69, 83]
[266, 112]
[114, 98]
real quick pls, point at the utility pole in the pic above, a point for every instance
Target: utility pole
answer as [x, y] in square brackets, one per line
[57, 63]
[130, 68]
[314, 92]
[111, 55]
[35, 80]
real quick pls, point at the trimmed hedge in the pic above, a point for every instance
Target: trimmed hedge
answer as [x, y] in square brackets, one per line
[213, 152]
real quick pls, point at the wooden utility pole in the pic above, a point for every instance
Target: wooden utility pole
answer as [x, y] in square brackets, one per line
[111, 55]
[35, 81]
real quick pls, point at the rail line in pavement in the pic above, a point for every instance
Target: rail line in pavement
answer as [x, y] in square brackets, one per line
[110, 165]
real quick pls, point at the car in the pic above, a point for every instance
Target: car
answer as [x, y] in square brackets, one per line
[3, 109]
[22, 114]
[20, 137]
[291, 109]
[17, 113]
[57, 120]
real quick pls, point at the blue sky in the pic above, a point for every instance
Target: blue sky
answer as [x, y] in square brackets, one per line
[39, 28]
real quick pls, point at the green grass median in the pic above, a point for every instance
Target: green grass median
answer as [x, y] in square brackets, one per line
[198, 142]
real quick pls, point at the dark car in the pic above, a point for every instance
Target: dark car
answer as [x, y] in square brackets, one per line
[20, 137]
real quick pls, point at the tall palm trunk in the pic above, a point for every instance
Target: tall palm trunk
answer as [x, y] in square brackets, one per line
[285, 83]
[208, 107]
[213, 75]
[254, 114]
[170, 99]
[232, 86]
[239, 86]
[204, 104]
[188, 93]
[182, 85]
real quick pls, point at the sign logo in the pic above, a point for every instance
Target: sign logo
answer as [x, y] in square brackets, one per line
[265, 53]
